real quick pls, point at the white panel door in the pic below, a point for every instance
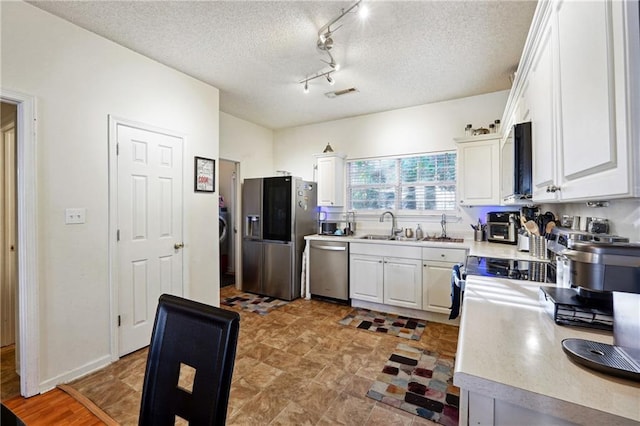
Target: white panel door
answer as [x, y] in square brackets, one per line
[150, 229]
[8, 237]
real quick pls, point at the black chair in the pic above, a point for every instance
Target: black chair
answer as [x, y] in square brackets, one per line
[202, 337]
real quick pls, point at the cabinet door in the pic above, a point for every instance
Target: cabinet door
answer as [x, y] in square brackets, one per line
[592, 88]
[541, 99]
[403, 282]
[436, 287]
[479, 173]
[330, 181]
[366, 278]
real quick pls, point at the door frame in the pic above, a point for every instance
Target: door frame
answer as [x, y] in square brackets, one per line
[27, 206]
[113, 122]
[236, 229]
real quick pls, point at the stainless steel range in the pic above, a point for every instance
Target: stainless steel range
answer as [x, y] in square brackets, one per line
[525, 270]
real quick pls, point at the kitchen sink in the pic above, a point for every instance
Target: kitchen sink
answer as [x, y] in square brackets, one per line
[377, 237]
[444, 239]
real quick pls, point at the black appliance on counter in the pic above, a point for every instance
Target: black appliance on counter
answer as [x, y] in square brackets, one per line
[502, 227]
[525, 270]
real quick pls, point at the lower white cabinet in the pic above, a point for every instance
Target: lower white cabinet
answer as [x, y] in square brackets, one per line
[437, 264]
[377, 278]
[436, 287]
[403, 282]
[366, 278]
[415, 277]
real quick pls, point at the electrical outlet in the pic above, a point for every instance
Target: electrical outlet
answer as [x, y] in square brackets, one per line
[74, 216]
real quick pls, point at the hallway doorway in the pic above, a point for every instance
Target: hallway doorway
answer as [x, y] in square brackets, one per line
[26, 348]
[228, 212]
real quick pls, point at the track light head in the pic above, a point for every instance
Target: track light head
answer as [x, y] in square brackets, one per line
[330, 79]
[306, 86]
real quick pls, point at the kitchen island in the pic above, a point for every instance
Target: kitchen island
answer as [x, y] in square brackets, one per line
[511, 368]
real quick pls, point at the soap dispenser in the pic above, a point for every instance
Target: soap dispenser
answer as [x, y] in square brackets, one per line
[419, 233]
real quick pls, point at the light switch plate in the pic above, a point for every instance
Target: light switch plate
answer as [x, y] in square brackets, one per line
[74, 216]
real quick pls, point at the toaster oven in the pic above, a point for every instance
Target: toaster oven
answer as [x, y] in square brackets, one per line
[502, 227]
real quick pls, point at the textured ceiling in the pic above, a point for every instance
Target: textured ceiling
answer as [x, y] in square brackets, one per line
[406, 53]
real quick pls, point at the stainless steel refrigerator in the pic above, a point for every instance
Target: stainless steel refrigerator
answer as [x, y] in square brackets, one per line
[277, 213]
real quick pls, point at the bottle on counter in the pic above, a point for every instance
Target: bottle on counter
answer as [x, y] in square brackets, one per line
[419, 233]
[492, 128]
[468, 131]
[497, 125]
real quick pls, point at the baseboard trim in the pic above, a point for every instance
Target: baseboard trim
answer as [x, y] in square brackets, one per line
[75, 374]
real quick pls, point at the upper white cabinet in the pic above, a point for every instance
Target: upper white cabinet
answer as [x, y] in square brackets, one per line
[541, 112]
[580, 77]
[479, 170]
[330, 179]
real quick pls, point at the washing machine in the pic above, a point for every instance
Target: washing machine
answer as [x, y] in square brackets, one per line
[224, 231]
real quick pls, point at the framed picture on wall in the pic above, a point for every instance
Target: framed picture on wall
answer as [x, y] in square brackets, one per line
[205, 179]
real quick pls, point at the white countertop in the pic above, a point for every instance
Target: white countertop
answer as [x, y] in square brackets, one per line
[510, 349]
[484, 248]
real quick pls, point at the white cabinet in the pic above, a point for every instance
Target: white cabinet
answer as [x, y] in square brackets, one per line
[366, 277]
[436, 277]
[479, 170]
[579, 77]
[330, 180]
[403, 282]
[375, 277]
[540, 89]
[594, 112]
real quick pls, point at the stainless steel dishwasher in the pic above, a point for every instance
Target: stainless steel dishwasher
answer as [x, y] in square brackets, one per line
[329, 269]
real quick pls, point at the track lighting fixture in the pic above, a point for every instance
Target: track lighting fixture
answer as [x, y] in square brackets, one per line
[326, 74]
[325, 43]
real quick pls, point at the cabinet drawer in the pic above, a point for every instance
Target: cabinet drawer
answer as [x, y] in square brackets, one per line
[386, 250]
[444, 254]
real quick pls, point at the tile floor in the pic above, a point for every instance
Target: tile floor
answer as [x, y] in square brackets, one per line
[294, 366]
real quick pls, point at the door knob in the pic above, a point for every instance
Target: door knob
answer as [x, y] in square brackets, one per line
[178, 246]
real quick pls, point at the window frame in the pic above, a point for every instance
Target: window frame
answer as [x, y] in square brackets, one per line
[398, 185]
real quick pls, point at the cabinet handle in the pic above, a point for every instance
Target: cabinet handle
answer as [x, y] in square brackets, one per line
[379, 261]
[442, 255]
[553, 188]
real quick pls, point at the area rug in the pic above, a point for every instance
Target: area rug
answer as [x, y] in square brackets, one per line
[395, 325]
[419, 382]
[252, 302]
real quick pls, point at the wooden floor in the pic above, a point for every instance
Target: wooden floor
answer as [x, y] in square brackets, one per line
[10, 381]
[52, 408]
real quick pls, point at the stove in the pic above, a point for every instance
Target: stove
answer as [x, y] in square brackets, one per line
[525, 270]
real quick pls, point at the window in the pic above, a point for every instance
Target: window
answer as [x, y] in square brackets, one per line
[417, 183]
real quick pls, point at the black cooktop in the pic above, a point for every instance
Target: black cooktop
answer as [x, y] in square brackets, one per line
[526, 270]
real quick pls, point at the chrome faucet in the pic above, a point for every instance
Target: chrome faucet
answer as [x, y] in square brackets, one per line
[443, 224]
[393, 222]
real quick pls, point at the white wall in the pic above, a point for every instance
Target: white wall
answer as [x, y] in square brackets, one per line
[424, 128]
[78, 79]
[249, 144]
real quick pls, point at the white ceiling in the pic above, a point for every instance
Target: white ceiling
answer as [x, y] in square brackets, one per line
[406, 53]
